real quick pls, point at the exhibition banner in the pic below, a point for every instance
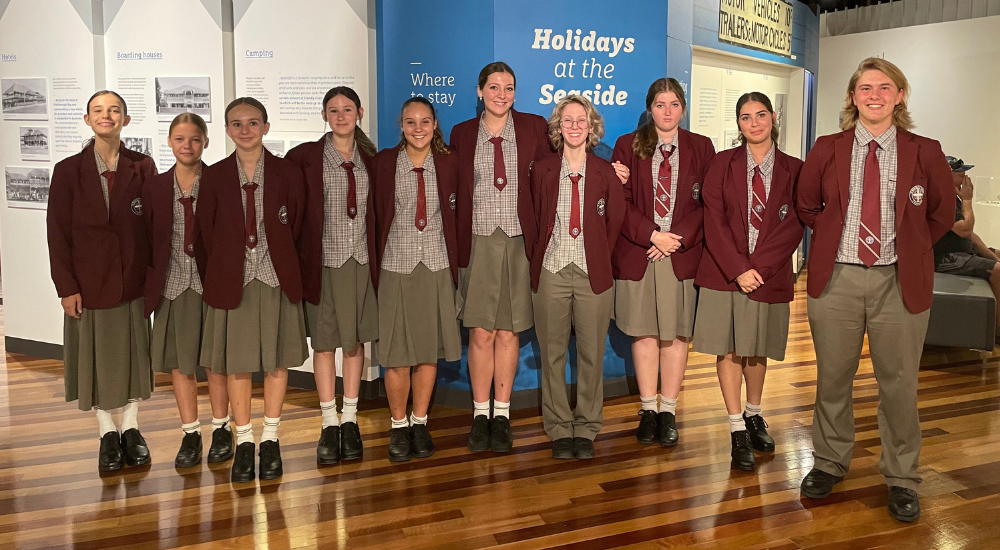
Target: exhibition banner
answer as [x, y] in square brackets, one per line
[764, 25]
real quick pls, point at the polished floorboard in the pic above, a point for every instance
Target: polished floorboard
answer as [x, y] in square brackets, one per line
[630, 496]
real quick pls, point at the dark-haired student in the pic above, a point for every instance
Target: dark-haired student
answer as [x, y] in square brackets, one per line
[746, 277]
[173, 290]
[496, 229]
[656, 258]
[98, 252]
[415, 205]
[339, 269]
[579, 207]
[250, 217]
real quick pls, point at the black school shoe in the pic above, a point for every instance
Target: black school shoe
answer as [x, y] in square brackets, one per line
[757, 429]
[583, 448]
[743, 452]
[134, 448]
[501, 441]
[351, 447]
[270, 460]
[562, 448]
[222, 446]
[904, 504]
[646, 432]
[666, 429]
[328, 448]
[110, 458]
[421, 444]
[243, 465]
[399, 445]
[190, 451]
[479, 435]
[818, 484]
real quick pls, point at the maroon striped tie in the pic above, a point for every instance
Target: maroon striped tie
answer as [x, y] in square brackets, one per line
[251, 215]
[870, 232]
[759, 199]
[574, 213]
[661, 202]
[499, 168]
[352, 190]
[188, 204]
[421, 219]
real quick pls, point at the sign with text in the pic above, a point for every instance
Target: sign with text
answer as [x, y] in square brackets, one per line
[764, 25]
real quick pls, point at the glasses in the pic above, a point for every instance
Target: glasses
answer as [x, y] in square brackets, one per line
[581, 124]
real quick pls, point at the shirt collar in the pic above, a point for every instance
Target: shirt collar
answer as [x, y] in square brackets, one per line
[507, 132]
[673, 142]
[766, 165]
[258, 171]
[193, 192]
[863, 135]
[333, 155]
[565, 172]
[407, 166]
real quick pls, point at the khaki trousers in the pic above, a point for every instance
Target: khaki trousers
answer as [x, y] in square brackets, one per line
[565, 300]
[855, 300]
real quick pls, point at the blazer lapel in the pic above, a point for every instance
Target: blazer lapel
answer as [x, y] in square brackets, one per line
[738, 173]
[591, 192]
[91, 183]
[843, 150]
[123, 178]
[314, 163]
[521, 137]
[272, 192]
[905, 164]
[779, 181]
[684, 144]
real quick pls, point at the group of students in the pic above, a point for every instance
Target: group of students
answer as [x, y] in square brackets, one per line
[515, 224]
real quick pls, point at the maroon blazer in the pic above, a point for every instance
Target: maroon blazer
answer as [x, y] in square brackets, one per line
[532, 137]
[222, 228]
[600, 231]
[727, 227]
[629, 258]
[309, 158]
[385, 202]
[824, 190]
[98, 252]
[158, 215]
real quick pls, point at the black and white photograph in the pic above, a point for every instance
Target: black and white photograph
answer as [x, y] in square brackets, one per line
[34, 142]
[24, 99]
[27, 187]
[183, 94]
[142, 145]
[276, 147]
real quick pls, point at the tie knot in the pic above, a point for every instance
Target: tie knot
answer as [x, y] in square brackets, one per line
[666, 152]
[575, 178]
[185, 200]
[348, 165]
[108, 174]
[756, 170]
[419, 170]
[496, 140]
[873, 146]
[250, 187]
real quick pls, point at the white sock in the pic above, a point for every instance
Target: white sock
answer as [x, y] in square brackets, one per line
[193, 427]
[400, 423]
[105, 423]
[270, 429]
[220, 422]
[244, 434]
[130, 415]
[752, 409]
[668, 405]
[414, 420]
[736, 423]
[350, 411]
[501, 409]
[329, 409]
[480, 408]
[648, 403]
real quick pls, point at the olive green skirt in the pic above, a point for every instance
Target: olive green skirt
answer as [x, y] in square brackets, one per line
[730, 322]
[347, 312]
[177, 328]
[657, 305]
[106, 356]
[265, 332]
[417, 318]
[496, 287]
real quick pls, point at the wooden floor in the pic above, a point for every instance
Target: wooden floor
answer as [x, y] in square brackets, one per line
[630, 496]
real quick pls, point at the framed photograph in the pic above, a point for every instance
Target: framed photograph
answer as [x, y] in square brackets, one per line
[24, 98]
[142, 145]
[27, 187]
[276, 147]
[183, 94]
[34, 142]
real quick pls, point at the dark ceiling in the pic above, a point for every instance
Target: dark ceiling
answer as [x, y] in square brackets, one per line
[823, 6]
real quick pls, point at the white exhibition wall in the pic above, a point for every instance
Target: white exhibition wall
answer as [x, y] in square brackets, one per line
[954, 72]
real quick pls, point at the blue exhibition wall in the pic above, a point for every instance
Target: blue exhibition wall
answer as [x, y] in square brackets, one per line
[608, 51]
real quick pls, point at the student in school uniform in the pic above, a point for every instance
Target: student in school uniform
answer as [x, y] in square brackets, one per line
[877, 198]
[250, 218]
[173, 290]
[746, 278]
[496, 229]
[98, 252]
[657, 256]
[339, 269]
[415, 202]
[579, 208]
